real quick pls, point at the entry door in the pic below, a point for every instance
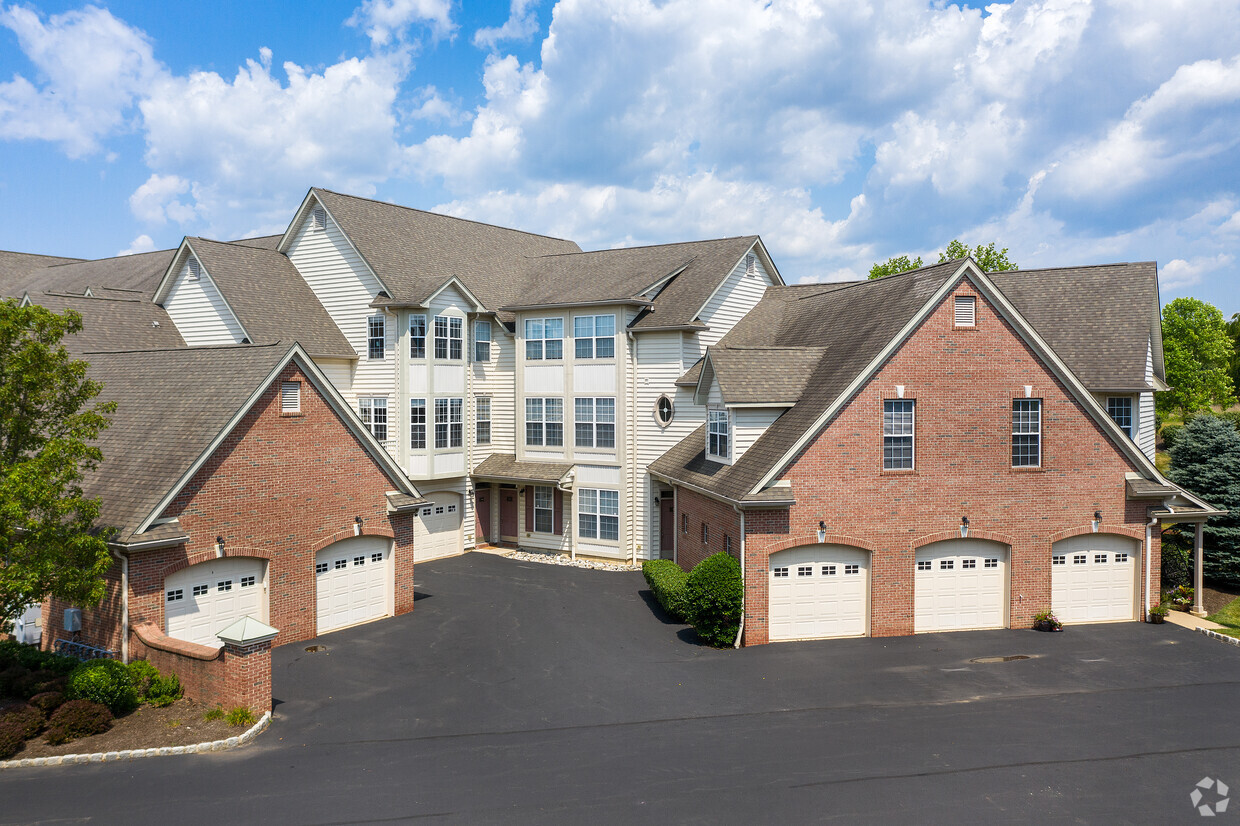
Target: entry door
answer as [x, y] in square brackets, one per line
[482, 513]
[508, 514]
[667, 525]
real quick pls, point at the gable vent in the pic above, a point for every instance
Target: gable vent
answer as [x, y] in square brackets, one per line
[751, 264]
[195, 269]
[290, 397]
[320, 218]
[966, 311]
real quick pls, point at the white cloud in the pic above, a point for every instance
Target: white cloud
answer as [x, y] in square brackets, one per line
[157, 201]
[387, 21]
[522, 24]
[91, 67]
[1178, 273]
[143, 243]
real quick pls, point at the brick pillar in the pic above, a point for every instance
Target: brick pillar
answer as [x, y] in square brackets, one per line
[247, 675]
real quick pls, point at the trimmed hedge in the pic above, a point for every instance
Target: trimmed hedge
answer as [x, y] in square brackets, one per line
[106, 682]
[715, 595]
[28, 719]
[667, 582]
[142, 673]
[78, 718]
[12, 737]
[32, 658]
[48, 701]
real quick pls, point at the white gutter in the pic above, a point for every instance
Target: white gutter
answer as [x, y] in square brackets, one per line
[740, 631]
[631, 447]
[1149, 556]
[124, 605]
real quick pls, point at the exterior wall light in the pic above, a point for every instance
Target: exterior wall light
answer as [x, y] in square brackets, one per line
[822, 531]
[1097, 520]
[964, 527]
[357, 526]
[219, 546]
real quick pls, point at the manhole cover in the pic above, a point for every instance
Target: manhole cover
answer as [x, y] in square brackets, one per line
[315, 649]
[1000, 659]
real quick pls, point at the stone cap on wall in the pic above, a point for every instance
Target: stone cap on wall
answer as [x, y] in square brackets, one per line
[247, 631]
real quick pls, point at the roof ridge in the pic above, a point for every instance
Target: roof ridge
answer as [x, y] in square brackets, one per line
[870, 281]
[134, 300]
[68, 258]
[644, 246]
[1077, 267]
[438, 215]
[185, 349]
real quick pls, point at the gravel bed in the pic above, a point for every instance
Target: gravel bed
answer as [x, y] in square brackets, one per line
[565, 559]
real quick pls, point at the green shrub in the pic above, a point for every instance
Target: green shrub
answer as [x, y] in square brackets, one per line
[9, 652]
[667, 582]
[214, 714]
[78, 718]
[10, 677]
[1171, 434]
[35, 682]
[48, 701]
[241, 716]
[1177, 560]
[106, 682]
[715, 596]
[12, 737]
[141, 673]
[164, 691]
[32, 658]
[27, 718]
[1232, 417]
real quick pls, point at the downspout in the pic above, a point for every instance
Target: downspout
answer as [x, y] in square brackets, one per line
[1149, 557]
[124, 604]
[740, 631]
[631, 448]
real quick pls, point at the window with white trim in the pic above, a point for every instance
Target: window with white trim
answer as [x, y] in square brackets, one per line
[1119, 408]
[717, 434]
[594, 336]
[595, 422]
[417, 336]
[544, 422]
[375, 336]
[664, 411]
[598, 514]
[373, 412]
[1026, 432]
[175, 595]
[482, 341]
[417, 424]
[898, 421]
[544, 338]
[544, 514]
[290, 397]
[482, 420]
[966, 311]
[448, 337]
[449, 423]
[781, 571]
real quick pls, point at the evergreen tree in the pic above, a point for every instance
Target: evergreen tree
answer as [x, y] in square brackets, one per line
[1206, 462]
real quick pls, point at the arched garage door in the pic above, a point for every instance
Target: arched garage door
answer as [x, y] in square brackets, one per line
[204, 599]
[438, 527]
[819, 591]
[1094, 578]
[960, 584]
[353, 582]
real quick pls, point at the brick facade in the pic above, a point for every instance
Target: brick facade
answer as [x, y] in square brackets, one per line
[721, 521]
[963, 381]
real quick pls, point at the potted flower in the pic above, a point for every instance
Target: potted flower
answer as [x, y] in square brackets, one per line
[1047, 621]
[1182, 598]
[1158, 614]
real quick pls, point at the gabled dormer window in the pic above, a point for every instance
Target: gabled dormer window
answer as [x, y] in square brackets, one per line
[717, 434]
[195, 269]
[318, 217]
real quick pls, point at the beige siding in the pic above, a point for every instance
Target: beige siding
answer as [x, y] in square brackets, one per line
[339, 372]
[200, 314]
[496, 379]
[732, 301]
[748, 424]
[1144, 425]
[526, 536]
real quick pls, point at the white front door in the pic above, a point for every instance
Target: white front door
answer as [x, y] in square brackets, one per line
[960, 584]
[437, 528]
[818, 591]
[353, 582]
[204, 599]
[1094, 578]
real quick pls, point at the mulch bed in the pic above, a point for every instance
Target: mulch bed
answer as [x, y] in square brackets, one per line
[1216, 595]
[180, 724]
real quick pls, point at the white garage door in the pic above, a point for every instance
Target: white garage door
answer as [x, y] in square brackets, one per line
[960, 584]
[819, 591]
[437, 530]
[1094, 578]
[353, 579]
[204, 599]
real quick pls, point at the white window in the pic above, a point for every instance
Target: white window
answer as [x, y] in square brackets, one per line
[780, 572]
[1121, 557]
[705, 533]
[828, 570]
[544, 502]
[968, 564]
[664, 411]
[417, 336]
[595, 336]
[992, 563]
[482, 420]
[482, 341]
[374, 415]
[598, 514]
[966, 311]
[448, 337]
[924, 565]
[1058, 559]
[1026, 432]
[195, 269]
[319, 218]
[449, 423]
[717, 434]
[1119, 408]
[178, 594]
[201, 590]
[290, 397]
[247, 581]
[417, 424]
[898, 416]
[595, 421]
[852, 569]
[544, 338]
[805, 570]
[544, 422]
[375, 338]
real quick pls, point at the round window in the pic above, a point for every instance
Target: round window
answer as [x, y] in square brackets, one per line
[664, 411]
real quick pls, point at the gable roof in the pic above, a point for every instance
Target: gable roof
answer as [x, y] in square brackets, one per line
[111, 323]
[16, 269]
[174, 407]
[139, 273]
[759, 375]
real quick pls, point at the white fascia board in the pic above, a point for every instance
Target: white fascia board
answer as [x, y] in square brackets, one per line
[460, 287]
[25, 302]
[334, 400]
[660, 282]
[165, 283]
[732, 269]
[767, 261]
[756, 405]
[706, 376]
[299, 216]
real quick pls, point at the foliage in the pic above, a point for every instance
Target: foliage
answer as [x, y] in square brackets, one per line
[78, 718]
[48, 701]
[1197, 353]
[164, 691]
[892, 266]
[1206, 462]
[12, 738]
[1233, 332]
[1048, 616]
[1171, 434]
[1182, 597]
[667, 582]
[104, 681]
[241, 716]
[50, 419]
[987, 257]
[35, 682]
[141, 673]
[31, 657]
[28, 718]
[1160, 610]
[715, 594]
[1177, 559]
[214, 714]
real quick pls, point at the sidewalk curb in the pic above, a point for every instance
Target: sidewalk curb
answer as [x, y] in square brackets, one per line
[1216, 635]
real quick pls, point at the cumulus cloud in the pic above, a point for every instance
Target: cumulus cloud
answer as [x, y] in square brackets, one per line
[1178, 273]
[158, 200]
[143, 243]
[522, 24]
[388, 21]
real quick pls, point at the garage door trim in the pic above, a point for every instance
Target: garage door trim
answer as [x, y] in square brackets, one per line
[818, 557]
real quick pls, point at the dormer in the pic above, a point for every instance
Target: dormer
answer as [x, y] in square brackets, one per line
[194, 302]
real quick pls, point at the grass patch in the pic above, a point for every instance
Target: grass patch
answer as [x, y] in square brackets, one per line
[1228, 615]
[1162, 461]
[216, 713]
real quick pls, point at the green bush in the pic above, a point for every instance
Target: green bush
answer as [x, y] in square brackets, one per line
[106, 682]
[164, 691]
[667, 582]
[214, 714]
[241, 716]
[10, 677]
[715, 596]
[32, 658]
[141, 673]
[9, 652]
[78, 718]
[48, 701]
[1232, 417]
[1171, 434]
[1206, 461]
[1177, 560]
[27, 718]
[35, 682]
[12, 737]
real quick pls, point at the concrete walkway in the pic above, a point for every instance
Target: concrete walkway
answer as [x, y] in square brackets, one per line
[1190, 622]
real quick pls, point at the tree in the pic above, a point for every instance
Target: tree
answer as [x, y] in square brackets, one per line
[987, 257]
[1197, 353]
[48, 546]
[1206, 461]
[1233, 332]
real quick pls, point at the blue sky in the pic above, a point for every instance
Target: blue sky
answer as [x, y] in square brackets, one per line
[1071, 131]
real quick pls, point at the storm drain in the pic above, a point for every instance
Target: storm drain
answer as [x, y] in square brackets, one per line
[1007, 659]
[315, 649]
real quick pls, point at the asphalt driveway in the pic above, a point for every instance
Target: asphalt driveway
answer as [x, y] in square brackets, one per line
[533, 693]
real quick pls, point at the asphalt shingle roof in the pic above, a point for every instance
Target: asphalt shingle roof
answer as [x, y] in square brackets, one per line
[754, 375]
[16, 269]
[113, 323]
[506, 466]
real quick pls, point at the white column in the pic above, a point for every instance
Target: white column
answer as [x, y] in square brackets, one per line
[1198, 609]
